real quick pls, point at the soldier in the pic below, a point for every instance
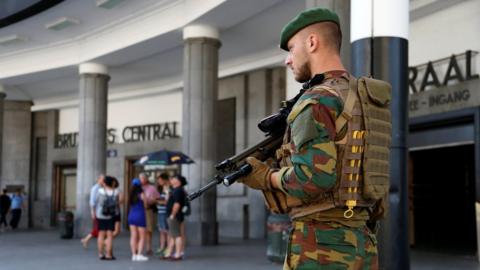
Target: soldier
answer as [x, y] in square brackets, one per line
[325, 234]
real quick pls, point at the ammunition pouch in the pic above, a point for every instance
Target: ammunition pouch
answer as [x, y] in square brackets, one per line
[363, 152]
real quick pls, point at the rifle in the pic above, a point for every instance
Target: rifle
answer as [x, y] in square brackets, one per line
[233, 168]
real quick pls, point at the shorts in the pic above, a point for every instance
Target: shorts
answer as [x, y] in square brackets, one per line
[106, 224]
[150, 220]
[162, 222]
[117, 218]
[174, 227]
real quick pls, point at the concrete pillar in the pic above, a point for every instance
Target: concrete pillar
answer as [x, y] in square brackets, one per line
[92, 147]
[2, 99]
[259, 105]
[198, 128]
[342, 8]
[16, 150]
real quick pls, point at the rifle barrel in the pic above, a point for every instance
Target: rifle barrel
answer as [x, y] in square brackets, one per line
[199, 192]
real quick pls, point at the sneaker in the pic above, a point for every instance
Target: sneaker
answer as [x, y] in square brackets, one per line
[141, 258]
[134, 258]
[159, 251]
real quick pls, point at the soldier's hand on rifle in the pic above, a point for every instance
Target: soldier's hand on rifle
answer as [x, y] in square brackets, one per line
[259, 178]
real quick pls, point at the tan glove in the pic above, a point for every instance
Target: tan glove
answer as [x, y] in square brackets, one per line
[259, 178]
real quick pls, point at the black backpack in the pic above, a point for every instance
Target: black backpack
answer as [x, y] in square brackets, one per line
[109, 207]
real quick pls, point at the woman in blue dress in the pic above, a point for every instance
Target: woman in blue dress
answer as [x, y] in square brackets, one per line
[136, 221]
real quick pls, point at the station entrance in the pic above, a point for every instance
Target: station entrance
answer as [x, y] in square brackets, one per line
[64, 189]
[442, 199]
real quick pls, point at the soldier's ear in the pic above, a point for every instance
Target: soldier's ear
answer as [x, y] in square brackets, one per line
[312, 42]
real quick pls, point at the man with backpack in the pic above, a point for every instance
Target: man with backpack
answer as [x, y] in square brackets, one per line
[106, 205]
[332, 174]
[177, 208]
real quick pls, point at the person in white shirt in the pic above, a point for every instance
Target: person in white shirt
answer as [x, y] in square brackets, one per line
[93, 196]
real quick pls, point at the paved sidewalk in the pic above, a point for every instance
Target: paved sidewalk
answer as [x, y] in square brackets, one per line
[39, 250]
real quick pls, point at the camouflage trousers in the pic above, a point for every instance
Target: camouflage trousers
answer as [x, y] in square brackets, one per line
[328, 245]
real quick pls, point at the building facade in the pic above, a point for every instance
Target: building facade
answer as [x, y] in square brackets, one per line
[142, 47]
[92, 87]
[443, 140]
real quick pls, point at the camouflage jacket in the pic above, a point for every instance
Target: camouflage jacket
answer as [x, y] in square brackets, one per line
[312, 138]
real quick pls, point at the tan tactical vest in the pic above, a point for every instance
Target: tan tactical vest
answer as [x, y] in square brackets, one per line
[363, 147]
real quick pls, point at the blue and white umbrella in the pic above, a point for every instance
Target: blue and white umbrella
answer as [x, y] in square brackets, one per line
[164, 157]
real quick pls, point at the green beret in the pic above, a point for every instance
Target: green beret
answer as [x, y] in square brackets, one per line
[304, 19]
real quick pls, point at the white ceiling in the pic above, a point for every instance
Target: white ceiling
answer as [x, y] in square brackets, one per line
[252, 23]
[92, 19]
[141, 41]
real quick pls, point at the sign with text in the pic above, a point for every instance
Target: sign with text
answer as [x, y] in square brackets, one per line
[443, 85]
[447, 98]
[149, 132]
[112, 153]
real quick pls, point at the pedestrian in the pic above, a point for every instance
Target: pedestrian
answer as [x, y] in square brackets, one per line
[137, 220]
[5, 203]
[92, 199]
[16, 208]
[315, 182]
[105, 209]
[176, 202]
[151, 197]
[163, 187]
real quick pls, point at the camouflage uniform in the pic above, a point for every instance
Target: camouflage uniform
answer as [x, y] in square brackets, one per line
[323, 239]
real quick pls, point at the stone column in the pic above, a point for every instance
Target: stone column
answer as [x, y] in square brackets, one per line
[198, 128]
[92, 146]
[16, 150]
[2, 99]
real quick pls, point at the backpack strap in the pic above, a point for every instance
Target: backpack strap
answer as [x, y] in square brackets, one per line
[346, 114]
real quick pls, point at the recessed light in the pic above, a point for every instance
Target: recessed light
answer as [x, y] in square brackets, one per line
[61, 23]
[12, 39]
[108, 3]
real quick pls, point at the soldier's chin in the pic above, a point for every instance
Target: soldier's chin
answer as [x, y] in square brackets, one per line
[301, 79]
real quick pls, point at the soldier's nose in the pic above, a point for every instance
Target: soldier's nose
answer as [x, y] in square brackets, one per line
[288, 60]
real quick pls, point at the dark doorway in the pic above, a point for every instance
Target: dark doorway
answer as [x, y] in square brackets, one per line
[64, 189]
[443, 196]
